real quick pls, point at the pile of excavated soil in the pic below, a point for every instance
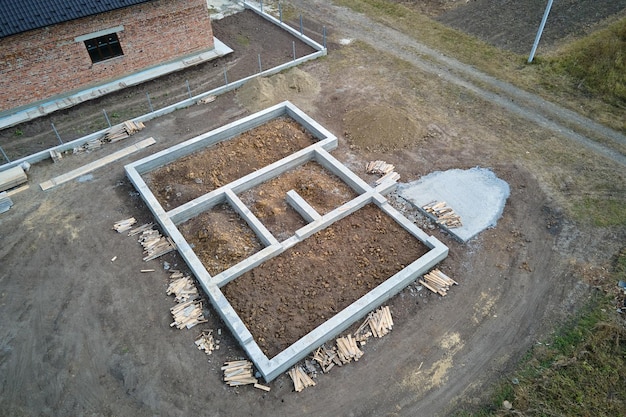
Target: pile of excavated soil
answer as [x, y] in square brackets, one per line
[378, 127]
[263, 92]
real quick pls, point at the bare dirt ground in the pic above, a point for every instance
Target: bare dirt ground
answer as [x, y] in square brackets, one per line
[82, 335]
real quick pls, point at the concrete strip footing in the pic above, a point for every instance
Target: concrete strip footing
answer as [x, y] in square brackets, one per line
[270, 368]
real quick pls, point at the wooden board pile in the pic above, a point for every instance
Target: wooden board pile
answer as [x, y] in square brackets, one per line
[124, 225]
[187, 314]
[207, 343]
[182, 287]
[56, 155]
[122, 131]
[384, 169]
[12, 177]
[5, 202]
[347, 350]
[85, 147]
[438, 282]
[154, 244]
[444, 214]
[300, 378]
[380, 321]
[238, 373]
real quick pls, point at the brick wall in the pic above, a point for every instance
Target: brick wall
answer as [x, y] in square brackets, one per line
[42, 63]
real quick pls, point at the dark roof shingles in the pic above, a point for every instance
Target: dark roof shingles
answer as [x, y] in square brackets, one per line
[18, 16]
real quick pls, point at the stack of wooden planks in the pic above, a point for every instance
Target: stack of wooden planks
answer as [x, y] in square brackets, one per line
[300, 378]
[122, 131]
[56, 155]
[326, 358]
[207, 343]
[347, 350]
[438, 282]
[182, 287]
[85, 147]
[238, 373]
[155, 245]
[124, 225]
[378, 322]
[384, 169]
[12, 177]
[5, 202]
[444, 214]
[187, 314]
[140, 229]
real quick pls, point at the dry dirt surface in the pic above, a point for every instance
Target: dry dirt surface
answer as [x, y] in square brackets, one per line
[83, 335]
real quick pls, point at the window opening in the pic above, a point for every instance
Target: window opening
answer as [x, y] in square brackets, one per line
[104, 47]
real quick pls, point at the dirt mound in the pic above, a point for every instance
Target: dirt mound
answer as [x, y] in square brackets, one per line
[263, 92]
[379, 127]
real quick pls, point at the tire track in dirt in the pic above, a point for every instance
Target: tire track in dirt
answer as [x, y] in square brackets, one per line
[557, 119]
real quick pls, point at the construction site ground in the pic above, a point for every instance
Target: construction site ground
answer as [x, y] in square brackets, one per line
[83, 334]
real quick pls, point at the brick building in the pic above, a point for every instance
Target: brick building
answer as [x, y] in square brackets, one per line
[54, 47]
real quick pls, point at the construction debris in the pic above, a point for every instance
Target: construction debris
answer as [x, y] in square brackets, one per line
[379, 323]
[438, 282]
[384, 169]
[155, 245]
[56, 155]
[140, 229]
[326, 358]
[182, 287]
[122, 131]
[5, 202]
[239, 373]
[207, 343]
[347, 349]
[300, 378]
[123, 225]
[444, 214]
[187, 314]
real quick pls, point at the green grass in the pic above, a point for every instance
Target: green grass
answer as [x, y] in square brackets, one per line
[600, 212]
[596, 64]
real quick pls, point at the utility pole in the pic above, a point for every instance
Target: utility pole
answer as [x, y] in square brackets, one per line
[540, 31]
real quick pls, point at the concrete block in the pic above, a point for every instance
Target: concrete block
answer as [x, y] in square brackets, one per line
[259, 229]
[300, 205]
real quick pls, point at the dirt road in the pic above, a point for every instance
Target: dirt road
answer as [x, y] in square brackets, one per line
[83, 335]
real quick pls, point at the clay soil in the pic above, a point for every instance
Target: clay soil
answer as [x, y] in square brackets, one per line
[85, 335]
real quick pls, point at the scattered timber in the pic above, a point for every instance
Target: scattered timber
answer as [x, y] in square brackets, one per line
[238, 373]
[378, 322]
[384, 169]
[444, 214]
[326, 358]
[122, 131]
[207, 343]
[5, 202]
[347, 350]
[140, 229]
[155, 245]
[88, 146]
[182, 288]
[12, 177]
[56, 155]
[300, 378]
[122, 226]
[438, 282]
[187, 314]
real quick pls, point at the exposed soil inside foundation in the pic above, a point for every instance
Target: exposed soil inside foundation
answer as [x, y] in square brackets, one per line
[197, 174]
[321, 189]
[288, 296]
[220, 238]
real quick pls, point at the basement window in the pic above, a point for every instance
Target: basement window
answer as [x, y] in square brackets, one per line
[104, 47]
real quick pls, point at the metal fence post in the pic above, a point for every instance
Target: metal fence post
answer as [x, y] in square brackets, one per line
[188, 89]
[324, 36]
[301, 32]
[150, 102]
[294, 50]
[106, 116]
[225, 76]
[4, 155]
[261, 3]
[57, 133]
[260, 69]
[540, 31]
[280, 12]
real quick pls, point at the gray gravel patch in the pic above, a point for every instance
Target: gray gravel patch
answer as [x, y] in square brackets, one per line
[476, 194]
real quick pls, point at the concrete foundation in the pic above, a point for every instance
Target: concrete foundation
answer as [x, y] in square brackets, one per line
[270, 368]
